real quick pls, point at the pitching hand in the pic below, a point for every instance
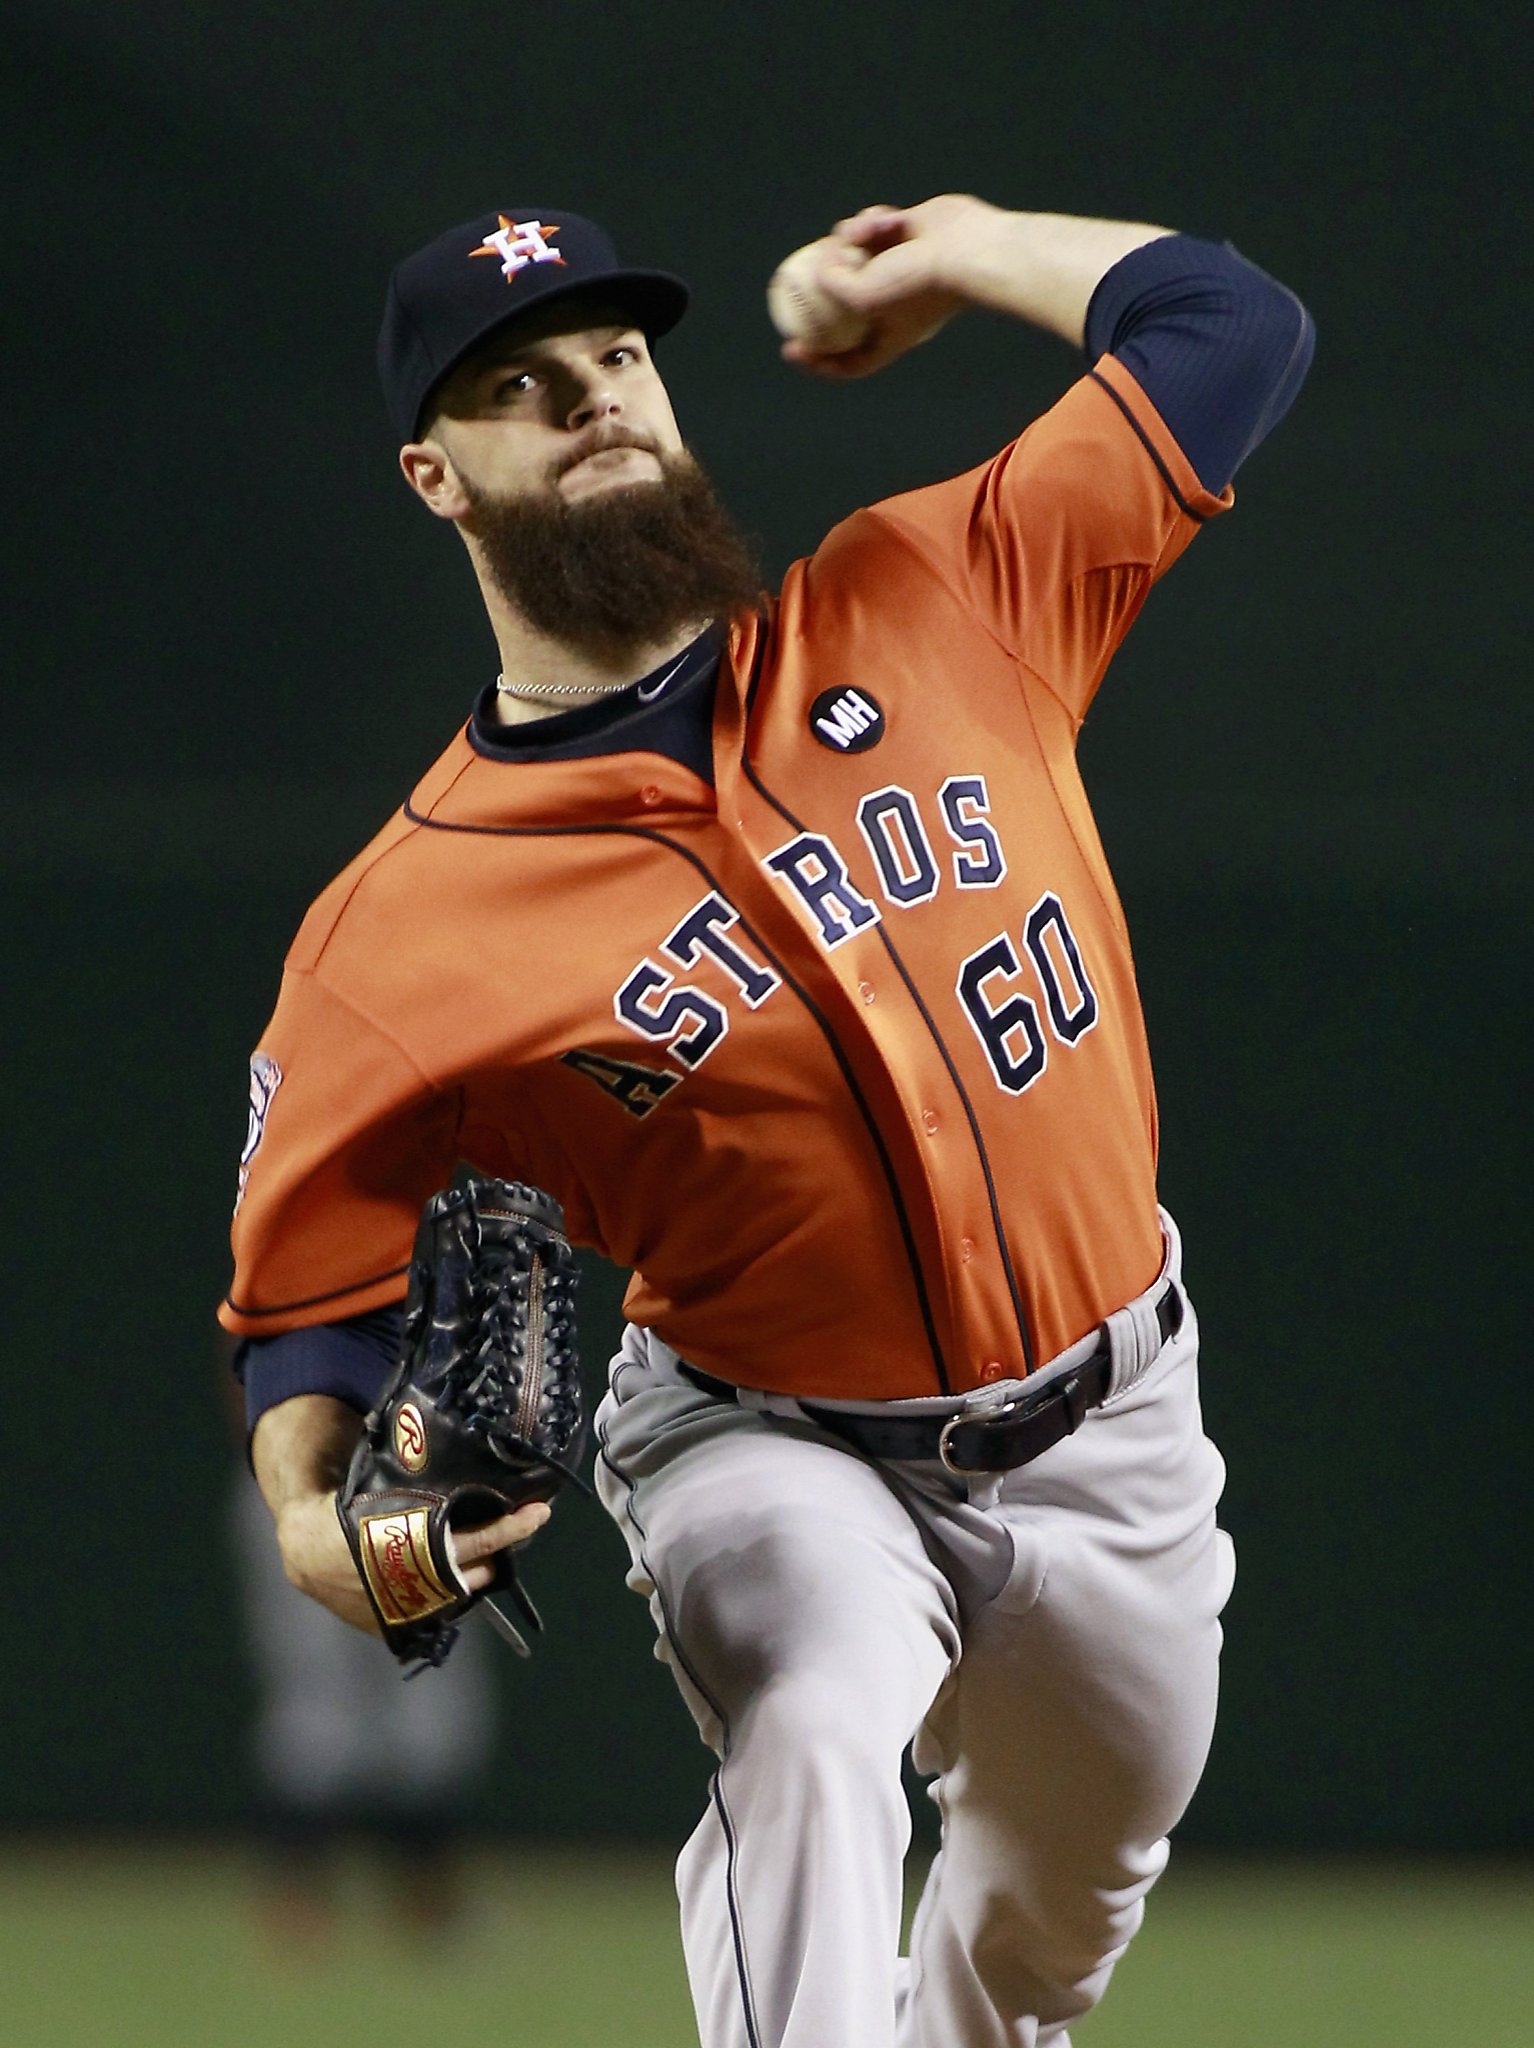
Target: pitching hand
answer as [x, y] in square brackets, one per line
[921, 262]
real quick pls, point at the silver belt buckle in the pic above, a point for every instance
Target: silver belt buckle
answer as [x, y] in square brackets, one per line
[984, 1405]
[958, 1471]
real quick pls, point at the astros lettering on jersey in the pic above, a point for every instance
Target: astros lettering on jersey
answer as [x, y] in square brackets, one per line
[843, 1057]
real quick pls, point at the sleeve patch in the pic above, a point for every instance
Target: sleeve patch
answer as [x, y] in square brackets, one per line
[265, 1080]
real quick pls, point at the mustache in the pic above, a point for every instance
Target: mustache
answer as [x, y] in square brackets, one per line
[595, 439]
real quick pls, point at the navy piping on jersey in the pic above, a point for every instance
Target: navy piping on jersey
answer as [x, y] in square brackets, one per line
[1146, 443]
[870, 1122]
[937, 1038]
[716, 1785]
[313, 1300]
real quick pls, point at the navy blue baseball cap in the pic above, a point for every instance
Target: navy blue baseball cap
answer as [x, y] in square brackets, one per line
[448, 296]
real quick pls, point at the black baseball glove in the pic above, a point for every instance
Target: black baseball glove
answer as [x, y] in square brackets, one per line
[481, 1414]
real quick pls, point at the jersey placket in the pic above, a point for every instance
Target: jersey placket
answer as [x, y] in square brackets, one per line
[896, 1054]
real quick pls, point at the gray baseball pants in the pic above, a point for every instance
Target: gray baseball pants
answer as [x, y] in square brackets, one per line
[1048, 1643]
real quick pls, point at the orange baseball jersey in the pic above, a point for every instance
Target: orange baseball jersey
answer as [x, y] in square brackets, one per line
[843, 1056]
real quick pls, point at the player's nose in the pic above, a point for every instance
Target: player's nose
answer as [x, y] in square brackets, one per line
[593, 398]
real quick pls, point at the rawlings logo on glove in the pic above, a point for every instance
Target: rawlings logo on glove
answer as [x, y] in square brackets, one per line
[481, 1414]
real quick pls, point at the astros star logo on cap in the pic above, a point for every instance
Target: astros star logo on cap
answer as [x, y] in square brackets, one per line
[441, 302]
[518, 243]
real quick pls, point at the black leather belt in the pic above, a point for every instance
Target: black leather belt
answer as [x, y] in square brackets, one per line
[983, 1440]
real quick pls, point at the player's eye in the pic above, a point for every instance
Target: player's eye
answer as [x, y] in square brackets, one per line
[515, 384]
[623, 353]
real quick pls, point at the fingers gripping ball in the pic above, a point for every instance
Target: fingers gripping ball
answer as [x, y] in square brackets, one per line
[481, 1414]
[802, 309]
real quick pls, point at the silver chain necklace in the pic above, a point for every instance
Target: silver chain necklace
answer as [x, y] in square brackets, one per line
[534, 691]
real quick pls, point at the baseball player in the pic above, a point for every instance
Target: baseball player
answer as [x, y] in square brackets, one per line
[775, 940]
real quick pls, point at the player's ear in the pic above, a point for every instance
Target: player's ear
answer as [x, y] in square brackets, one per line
[429, 471]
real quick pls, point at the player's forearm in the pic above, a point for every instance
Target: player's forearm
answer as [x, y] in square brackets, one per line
[908, 270]
[301, 1448]
[1041, 267]
[300, 1451]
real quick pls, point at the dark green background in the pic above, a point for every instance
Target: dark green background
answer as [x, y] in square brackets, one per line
[234, 641]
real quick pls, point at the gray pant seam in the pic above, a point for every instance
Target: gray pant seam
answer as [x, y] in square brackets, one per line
[742, 1964]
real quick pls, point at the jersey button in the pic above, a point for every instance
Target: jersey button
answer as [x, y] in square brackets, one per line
[929, 1118]
[650, 794]
[866, 991]
[966, 1249]
[991, 1370]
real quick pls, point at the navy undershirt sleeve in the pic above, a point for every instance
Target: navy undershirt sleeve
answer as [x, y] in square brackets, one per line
[1217, 346]
[349, 1361]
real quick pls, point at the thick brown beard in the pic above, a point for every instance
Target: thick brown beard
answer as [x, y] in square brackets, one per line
[627, 566]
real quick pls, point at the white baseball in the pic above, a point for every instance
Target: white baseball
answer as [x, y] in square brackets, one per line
[802, 309]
